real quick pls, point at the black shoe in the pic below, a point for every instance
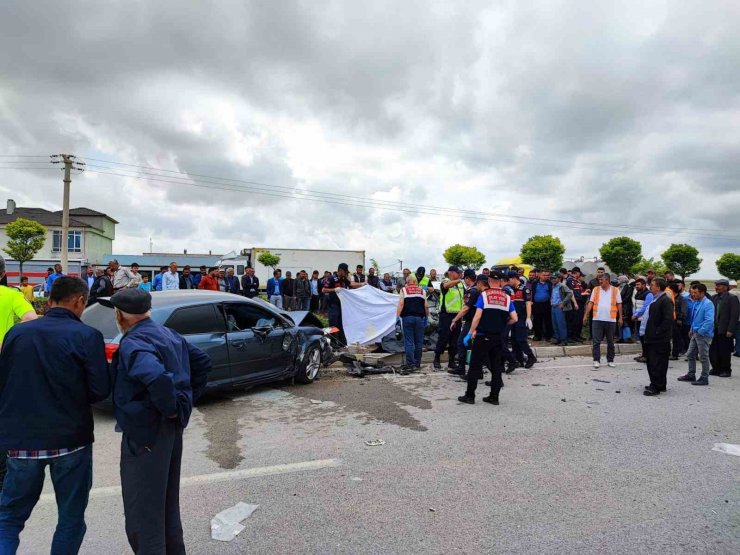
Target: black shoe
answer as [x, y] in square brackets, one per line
[651, 392]
[651, 387]
[490, 399]
[641, 359]
[530, 362]
[672, 358]
[535, 338]
[456, 372]
[437, 365]
[701, 381]
[725, 375]
[714, 372]
[687, 378]
[466, 399]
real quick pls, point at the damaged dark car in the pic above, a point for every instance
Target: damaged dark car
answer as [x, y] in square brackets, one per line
[249, 341]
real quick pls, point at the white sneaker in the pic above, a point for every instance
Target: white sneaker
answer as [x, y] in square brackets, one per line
[611, 365]
[596, 364]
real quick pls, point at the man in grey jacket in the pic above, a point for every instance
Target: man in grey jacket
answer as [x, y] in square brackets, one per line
[303, 291]
[727, 307]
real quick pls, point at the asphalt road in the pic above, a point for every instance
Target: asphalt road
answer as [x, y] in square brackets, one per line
[566, 464]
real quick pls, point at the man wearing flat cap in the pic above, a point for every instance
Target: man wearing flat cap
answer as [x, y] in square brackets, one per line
[726, 309]
[157, 376]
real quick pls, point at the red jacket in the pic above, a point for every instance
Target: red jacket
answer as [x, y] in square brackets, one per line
[207, 282]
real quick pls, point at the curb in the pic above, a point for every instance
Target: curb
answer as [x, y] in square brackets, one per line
[540, 352]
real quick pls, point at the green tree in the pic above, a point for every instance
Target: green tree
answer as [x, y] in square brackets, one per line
[374, 264]
[645, 264]
[728, 265]
[25, 239]
[682, 259]
[467, 257]
[621, 254]
[266, 258]
[543, 251]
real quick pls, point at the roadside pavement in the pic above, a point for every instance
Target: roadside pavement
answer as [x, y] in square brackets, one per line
[573, 460]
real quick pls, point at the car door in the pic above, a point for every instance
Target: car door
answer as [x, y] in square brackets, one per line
[255, 338]
[204, 326]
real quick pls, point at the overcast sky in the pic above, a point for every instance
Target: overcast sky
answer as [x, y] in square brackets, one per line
[617, 112]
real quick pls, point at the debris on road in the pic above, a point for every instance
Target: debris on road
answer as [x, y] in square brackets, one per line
[600, 381]
[592, 403]
[316, 401]
[375, 442]
[225, 526]
[727, 448]
[538, 384]
[563, 400]
[432, 510]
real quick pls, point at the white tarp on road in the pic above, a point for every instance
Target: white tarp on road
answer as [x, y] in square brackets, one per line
[368, 314]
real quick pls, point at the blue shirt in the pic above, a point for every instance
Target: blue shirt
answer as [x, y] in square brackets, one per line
[541, 294]
[157, 283]
[158, 374]
[556, 298]
[146, 286]
[645, 313]
[644, 306]
[702, 317]
[51, 279]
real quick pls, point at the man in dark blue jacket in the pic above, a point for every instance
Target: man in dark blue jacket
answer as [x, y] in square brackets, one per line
[158, 375]
[51, 370]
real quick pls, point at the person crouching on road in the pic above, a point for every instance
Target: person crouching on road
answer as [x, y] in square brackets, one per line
[158, 376]
[414, 312]
[494, 311]
[51, 370]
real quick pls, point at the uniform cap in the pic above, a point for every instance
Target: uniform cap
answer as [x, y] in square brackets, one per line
[495, 274]
[469, 273]
[722, 281]
[483, 278]
[454, 269]
[512, 274]
[343, 266]
[131, 301]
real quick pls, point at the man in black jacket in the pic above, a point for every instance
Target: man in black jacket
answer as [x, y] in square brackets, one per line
[51, 370]
[726, 309]
[102, 286]
[250, 283]
[657, 336]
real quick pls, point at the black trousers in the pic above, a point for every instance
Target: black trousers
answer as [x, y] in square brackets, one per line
[447, 339]
[486, 349]
[150, 480]
[519, 342]
[678, 345]
[720, 353]
[574, 319]
[314, 303]
[542, 320]
[657, 363]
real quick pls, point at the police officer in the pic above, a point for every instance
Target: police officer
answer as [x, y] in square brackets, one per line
[158, 375]
[452, 294]
[494, 311]
[472, 291]
[520, 294]
[332, 284]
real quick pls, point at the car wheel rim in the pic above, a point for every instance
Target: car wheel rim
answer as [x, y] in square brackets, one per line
[314, 363]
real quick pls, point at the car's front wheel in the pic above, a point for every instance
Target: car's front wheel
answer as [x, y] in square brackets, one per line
[310, 365]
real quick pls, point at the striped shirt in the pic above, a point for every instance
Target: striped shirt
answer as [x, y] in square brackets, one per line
[42, 453]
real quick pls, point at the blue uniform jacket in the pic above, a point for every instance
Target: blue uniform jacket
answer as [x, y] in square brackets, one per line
[271, 286]
[51, 370]
[157, 375]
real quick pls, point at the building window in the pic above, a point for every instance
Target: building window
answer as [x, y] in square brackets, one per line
[74, 241]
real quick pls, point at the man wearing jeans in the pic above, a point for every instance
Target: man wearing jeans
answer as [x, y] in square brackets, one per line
[606, 306]
[413, 312]
[51, 370]
[275, 289]
[701, 334]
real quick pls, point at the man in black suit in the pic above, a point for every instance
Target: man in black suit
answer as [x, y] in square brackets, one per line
[657, 336]
[250, 283]
[726, 309]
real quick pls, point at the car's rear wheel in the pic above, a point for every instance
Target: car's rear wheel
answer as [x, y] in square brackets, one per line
[310, 366]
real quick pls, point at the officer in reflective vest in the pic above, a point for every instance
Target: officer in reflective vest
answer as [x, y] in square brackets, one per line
[413, 311]
[451, 302]
[494, 311]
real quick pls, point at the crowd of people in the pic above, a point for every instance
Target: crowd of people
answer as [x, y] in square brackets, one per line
[58, 366]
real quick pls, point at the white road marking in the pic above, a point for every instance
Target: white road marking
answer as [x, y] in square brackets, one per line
[222, 476]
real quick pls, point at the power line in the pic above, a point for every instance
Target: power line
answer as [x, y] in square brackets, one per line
[297, 194]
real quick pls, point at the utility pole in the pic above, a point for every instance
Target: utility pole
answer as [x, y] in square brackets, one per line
[400, 265]
[69, 164]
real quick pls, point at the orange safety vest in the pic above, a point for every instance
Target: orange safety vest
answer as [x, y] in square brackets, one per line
[669, 294]
[612, 308]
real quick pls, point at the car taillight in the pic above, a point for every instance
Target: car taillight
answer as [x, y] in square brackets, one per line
[110, 350]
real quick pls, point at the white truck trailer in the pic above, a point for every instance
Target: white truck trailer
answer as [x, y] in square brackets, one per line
[293, 260]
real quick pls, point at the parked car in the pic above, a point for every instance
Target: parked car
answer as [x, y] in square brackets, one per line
[249, 341]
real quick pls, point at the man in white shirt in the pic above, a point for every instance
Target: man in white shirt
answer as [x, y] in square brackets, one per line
[122, 277]
[606, 305]
[171, 279]
[90, 276]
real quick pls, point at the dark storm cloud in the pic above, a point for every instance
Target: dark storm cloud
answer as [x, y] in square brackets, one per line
[595, 111]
